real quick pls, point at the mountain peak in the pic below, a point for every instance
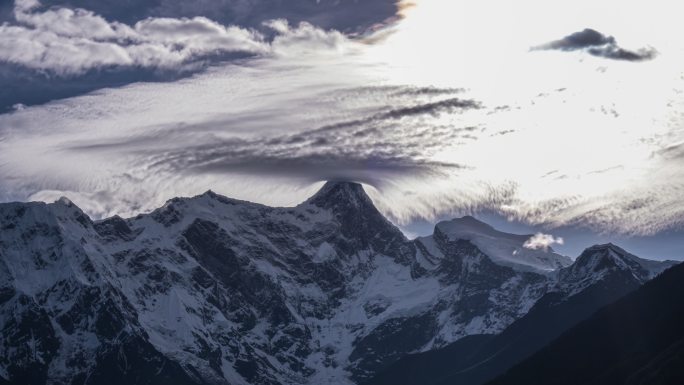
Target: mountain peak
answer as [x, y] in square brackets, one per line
[64, 201]
[603, 252]
[606, 246]
[340, 193]
[459, 227]
[503, 248]
[610, 257]
[360, 221]
[64, 207]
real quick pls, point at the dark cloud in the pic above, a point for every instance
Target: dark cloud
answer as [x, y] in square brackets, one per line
[617, 53]
[21, 86]
[399, 92]
[597, 44]
[432, 108]
[307, 160]
[427, 91]
[372, 169]
[580, 40]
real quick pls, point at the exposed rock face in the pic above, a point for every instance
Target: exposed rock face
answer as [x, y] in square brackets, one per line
[211, 290]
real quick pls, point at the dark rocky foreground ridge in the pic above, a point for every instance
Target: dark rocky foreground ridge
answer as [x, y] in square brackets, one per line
[477, 359]
[211, 290]
[637, 340]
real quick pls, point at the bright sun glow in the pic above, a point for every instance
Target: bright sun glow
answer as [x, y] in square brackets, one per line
[575, 128]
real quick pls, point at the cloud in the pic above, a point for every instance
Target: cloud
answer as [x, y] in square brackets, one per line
[266, 127]
[597, 44]
[59, 52]
[311, 154]
[542, 241]
[21, 85]
[297, 138]
[348, 16]
[303, 38]
[433, 108]
[428, 151]
[67, 42]
[580, 40]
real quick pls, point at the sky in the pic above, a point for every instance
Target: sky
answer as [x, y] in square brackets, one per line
[538, 117]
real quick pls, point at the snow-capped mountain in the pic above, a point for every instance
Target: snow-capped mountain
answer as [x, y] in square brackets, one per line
[211, 290]
[599, 261]
[503, 248]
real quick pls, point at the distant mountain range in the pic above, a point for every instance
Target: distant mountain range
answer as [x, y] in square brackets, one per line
[212, 290]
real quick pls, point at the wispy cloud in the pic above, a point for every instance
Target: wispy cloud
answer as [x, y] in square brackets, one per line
[368, 153]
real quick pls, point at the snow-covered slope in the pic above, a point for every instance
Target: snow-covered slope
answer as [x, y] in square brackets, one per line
[504, 248]
[218, 291]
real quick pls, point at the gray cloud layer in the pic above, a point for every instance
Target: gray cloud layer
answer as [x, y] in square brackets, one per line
[597, 44]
